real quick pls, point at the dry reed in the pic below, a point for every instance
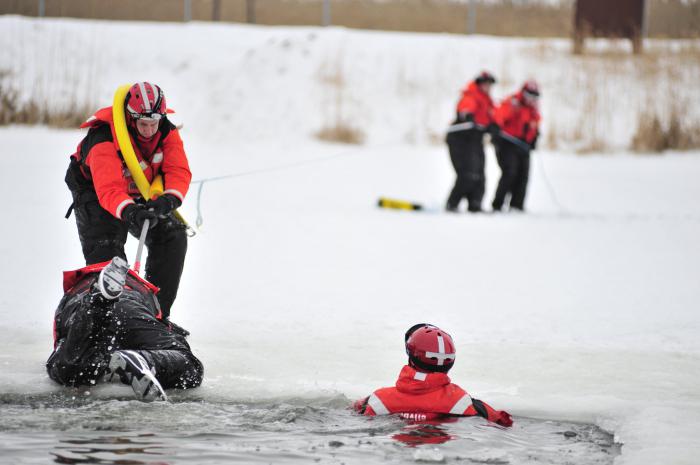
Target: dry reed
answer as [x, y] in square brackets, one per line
[37, 111]
[655, 136]
[337, 127]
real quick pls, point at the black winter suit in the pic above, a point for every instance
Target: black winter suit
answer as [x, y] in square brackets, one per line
[515, 171]
[467, 155]
[88, 328]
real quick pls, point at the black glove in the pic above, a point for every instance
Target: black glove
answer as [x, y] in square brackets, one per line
[136, 214]
[493, 129]
[163, 205]
[464, 117]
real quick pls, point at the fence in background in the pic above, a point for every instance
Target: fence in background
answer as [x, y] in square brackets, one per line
[524, 18]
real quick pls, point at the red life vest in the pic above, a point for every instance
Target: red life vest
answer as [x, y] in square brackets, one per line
[71, 278]
[478, 103]
[420, 396]
[518, 119]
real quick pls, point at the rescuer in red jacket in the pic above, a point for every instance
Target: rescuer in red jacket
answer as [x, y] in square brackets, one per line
[518, 119]
[107, 202]
[465, 140]
[423, 391]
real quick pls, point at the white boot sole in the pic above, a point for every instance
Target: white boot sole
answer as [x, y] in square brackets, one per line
[146, 387]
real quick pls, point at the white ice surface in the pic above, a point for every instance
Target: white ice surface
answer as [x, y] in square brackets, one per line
[298, 285]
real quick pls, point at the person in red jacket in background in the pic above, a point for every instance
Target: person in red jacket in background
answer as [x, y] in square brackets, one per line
[465, 140]
[518, 118]
[423, 391]
[107, 202]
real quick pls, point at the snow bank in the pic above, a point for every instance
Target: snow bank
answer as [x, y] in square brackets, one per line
[243, 83]
[298, 286]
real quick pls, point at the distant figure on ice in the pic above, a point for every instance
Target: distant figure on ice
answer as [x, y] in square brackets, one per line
[423, 391]
[518, 118]
[107, 202]
[108, 327]
[465, 140]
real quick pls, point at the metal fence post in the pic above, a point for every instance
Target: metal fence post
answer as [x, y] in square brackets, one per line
[326, 19]
[471, 17]
[42, 8]
[187, 7]
[216, 11]
[250, 11]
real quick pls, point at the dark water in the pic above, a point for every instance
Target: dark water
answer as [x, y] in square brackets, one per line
[62, 428]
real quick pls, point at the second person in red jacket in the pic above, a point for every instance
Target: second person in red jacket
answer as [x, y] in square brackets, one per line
[107, 203]
[518, 119]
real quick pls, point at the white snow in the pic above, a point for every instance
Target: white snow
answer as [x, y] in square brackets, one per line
[298, 285]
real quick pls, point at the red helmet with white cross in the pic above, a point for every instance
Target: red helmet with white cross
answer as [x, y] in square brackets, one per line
[145, 101]
[429, 348]
[485, 76]
[531, 92]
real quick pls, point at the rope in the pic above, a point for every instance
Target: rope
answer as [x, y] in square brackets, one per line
[201, 182]
[550, 188]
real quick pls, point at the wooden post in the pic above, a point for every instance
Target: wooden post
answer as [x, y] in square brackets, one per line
[216, 10]
[471, 17]
[326, 15]
[187, 11]
[250, 11]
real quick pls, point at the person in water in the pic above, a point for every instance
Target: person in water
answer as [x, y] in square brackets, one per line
[423, 390]
[109, 327]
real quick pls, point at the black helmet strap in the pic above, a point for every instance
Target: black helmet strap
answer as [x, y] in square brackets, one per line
[427, 367]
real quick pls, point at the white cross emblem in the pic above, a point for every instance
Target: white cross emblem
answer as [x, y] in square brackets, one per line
[440, 355]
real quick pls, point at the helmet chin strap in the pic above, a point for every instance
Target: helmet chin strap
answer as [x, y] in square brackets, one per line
[415, 363]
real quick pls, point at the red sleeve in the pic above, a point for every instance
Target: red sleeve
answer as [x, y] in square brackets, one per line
[110, 184]
[533, 127]
[484, 410]
[468, 104]
[503, 113]
[175, 168]
[362, 407]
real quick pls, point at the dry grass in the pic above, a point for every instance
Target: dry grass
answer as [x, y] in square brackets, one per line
[337, 127]
[674, 18]
[610, 99]
[342, 133]
[667, 18]
[15, 111]
[655, 135]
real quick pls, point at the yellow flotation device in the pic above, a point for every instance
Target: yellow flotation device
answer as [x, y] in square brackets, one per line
[385, 202]
[148, 191]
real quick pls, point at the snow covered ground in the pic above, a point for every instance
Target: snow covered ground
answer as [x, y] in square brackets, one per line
[297, 286]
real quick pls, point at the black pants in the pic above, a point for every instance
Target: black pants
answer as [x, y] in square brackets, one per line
[94, 328]
[515, 171]
[467, 155]
[102, 237]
